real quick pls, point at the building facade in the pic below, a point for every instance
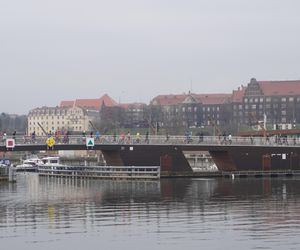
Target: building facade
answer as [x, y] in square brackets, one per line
[275, 102]
[193, 110]
[52, 119]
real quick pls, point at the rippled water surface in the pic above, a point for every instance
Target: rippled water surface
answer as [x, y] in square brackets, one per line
[49, 213]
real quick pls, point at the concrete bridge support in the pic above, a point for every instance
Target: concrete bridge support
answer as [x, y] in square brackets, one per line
[170, 158]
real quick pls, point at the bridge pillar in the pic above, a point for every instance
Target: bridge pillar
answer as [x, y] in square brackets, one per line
[223, 160]
[170, 158]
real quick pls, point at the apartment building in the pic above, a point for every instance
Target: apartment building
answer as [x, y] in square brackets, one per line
[52, 119]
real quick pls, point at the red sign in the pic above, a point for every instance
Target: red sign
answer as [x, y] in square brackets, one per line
[10, 143]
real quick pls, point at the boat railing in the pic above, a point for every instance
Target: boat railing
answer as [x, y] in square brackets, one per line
[127, 172]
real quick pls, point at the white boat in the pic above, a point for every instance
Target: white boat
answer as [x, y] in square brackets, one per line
[29, 165]
[50, 162]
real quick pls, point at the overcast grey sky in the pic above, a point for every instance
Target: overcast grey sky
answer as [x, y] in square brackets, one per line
[136, 49]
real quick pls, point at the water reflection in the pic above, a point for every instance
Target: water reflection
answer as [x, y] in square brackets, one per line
[168, 214]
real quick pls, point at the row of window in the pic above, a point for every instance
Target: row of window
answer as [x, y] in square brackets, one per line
[37, 129]
[247, 121]
[269, 99]
[191, 109]
[261, 106]
[261, 113]
[58, 123]
[52, 117]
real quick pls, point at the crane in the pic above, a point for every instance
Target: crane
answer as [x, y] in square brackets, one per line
[44, 131]
[93, 126]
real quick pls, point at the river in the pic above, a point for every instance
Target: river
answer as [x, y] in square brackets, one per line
[53, 213]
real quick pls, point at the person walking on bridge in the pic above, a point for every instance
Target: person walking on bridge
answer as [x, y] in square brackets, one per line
[229, 138]
[167, 137]
[138, 138]
[147, 137]
[128, 137]
[97, 136]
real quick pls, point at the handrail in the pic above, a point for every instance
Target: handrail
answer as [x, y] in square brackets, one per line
[157, 140]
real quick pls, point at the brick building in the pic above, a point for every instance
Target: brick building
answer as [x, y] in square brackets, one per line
[193, 110]
[276, 101]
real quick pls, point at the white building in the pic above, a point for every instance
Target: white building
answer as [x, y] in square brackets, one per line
[52, 119]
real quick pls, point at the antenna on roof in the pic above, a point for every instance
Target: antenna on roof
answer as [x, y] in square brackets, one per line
[191, 89]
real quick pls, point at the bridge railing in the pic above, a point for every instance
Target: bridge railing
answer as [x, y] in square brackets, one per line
[157, 140]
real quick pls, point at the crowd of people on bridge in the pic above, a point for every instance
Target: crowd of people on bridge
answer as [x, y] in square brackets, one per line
[127, 138]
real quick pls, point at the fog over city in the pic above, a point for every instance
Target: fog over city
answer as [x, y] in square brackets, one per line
[136, 49]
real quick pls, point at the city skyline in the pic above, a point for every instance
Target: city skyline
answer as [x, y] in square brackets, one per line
[135, 50]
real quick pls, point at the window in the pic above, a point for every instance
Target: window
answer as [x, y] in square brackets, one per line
[291, 99]
[218, 108]
[246, 100]
[283, 112]
[261, 99]
[283, 99]
[268, 99]
[246, 106]
[256, 100]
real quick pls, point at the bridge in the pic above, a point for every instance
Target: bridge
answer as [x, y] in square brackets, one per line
[229, 153]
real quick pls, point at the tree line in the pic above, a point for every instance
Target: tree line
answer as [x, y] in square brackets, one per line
[10, 123]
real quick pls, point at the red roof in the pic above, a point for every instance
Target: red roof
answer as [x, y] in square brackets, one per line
[276, 88]
[237, 95]
[108, 101]
[66, 104]
[90, 103]
[206, 99]
[168, 99]
[135, 105]
[213, 99]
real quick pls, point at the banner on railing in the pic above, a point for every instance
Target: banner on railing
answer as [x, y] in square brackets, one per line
[90, 142]
[10, 143]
